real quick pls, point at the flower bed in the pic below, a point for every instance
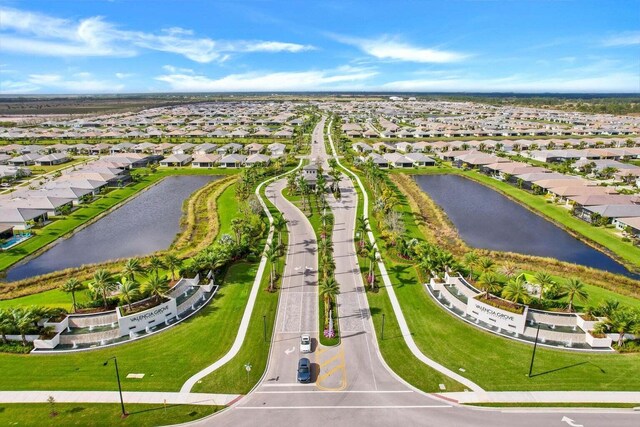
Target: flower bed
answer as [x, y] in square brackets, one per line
[502, 304]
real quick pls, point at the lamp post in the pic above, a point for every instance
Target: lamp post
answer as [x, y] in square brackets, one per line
[115, 362]
[533, 355]
[382, 334]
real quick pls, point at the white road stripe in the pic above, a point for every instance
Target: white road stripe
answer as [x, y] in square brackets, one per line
[347, 407]
[335, 392]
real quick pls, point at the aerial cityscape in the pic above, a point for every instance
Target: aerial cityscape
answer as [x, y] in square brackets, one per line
[243, 213]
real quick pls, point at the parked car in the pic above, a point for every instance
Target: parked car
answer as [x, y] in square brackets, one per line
[305, 344]
[304, 370]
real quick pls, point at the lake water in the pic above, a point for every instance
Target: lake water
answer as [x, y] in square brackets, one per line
[487, 219]
[143, 225]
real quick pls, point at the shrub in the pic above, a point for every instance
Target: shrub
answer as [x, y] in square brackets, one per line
[15, 347]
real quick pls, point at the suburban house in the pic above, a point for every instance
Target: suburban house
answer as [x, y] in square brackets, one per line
[205, 160]
[52, 159]
[176, 160]
[232, 161]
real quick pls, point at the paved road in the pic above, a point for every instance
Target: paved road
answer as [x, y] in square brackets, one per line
[353, 385]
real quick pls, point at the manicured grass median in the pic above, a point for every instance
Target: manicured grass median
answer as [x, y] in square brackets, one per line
[100, 414]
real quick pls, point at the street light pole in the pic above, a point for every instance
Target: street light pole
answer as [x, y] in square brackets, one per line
[533, 355]
[382, 335]
[264, 324]
[115, 362]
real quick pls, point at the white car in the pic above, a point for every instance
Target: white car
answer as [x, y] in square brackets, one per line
[305, 344]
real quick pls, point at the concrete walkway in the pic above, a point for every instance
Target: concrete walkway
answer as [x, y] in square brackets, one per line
[113, 397]
[404, 328]
[545, 397]
[246, 317]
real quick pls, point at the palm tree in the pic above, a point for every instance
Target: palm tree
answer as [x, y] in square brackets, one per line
[5, 324]
[279, 224]
[271, 254]
[372, 256]
[132, 267]
[72, 286]
[489, 282]
[155, 265]
[516, 291]
[173, 263]
[362, 227]
[329, 290]
[486, 265]
[129, 289]
[156, 287]
[509, 269]
[574, 288]
[545, 281]
[622, 321]
[102, 283]
[471, 261]
[23, 321]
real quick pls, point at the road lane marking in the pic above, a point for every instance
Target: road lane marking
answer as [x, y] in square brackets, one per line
[348, 407]
[333, 392]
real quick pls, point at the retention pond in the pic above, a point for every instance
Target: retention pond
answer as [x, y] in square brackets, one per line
[145, 224]
[487, 219]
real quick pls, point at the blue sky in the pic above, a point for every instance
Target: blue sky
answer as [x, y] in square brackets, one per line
[84, 46]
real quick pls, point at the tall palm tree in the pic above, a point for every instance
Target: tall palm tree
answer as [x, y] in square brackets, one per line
[471, 261]
[545, 281]
[516, 291]
[102, 283]
[129, 290]
[173, 263]
[155, 265]
[132, 267]
[271, 254]
[362, 227]
[574, 288]
[279, 224]
[156, 287]
[489, 282]
[329, 290]
[72, 286]
[372, 256]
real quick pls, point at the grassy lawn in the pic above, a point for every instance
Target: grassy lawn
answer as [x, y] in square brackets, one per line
[608, 238]
[53, 298]
[493, 362]
[100, 414]
[38, 170]
[167, 359]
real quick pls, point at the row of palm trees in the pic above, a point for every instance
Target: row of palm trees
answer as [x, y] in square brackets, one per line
[618, 319]
[104, 282]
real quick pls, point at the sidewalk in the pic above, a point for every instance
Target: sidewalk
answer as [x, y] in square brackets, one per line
[544, 397]
[37, 396]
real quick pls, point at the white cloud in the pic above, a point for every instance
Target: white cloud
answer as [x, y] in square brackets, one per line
[630, 38]
[614, 82]
[340, 78]
[123, 76]
[389, 48]
[38, 34]
[81, 82]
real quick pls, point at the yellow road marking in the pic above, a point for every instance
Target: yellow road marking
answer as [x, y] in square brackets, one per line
[340, 367]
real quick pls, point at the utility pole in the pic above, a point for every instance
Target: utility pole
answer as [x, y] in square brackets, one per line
[115, 361]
